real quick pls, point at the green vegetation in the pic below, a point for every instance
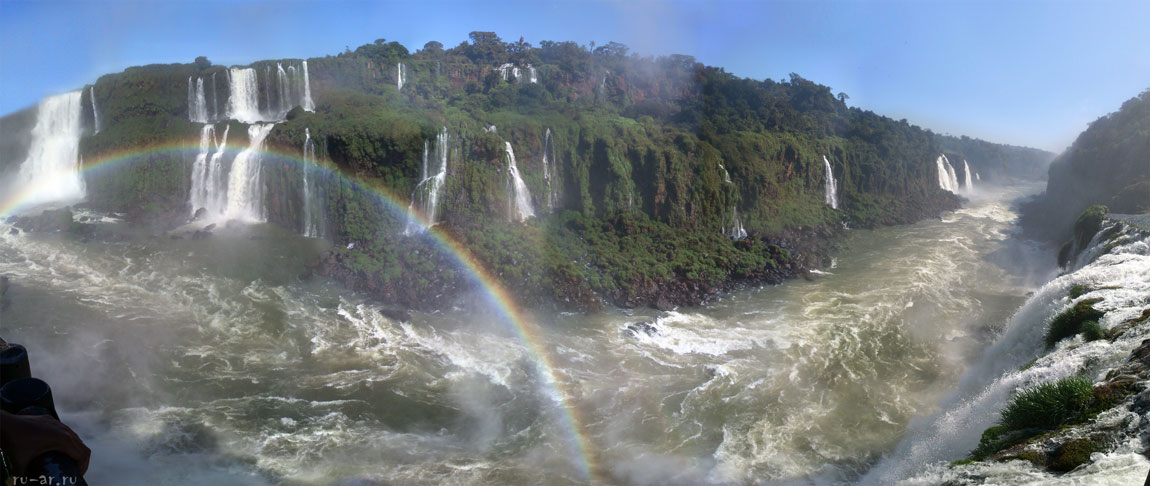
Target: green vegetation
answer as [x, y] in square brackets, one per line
[1078, 290]
[1091, 331]
[1049, 405]
[1072, 454]
[1071, 321]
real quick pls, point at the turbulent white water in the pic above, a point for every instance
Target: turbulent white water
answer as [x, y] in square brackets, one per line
[209, 362]
[245, 197]
[1121, 278]
[425, 197]
[832, 190]
[517, 194]
[51, 171]
[947, 177]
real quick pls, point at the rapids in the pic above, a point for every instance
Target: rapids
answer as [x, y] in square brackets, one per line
[212, 362]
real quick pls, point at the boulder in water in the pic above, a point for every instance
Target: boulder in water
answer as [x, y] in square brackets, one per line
[635, 328]
[209, 227]
[200, 213]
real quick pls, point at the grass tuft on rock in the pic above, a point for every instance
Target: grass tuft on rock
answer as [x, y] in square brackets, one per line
[1070, 322]
[1049, 405]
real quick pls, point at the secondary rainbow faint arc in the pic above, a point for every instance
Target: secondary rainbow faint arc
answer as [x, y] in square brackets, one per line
[527, 330]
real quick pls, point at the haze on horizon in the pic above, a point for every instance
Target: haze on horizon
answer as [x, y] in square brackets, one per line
[1023, 73]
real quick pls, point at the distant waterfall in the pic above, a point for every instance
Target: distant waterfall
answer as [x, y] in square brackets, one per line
[518, 195]
[313, 210]
[95, 113]
[969, 186]
[197, 103]
[244, 98]
[548, 171]
[517, 74]
[737, 232]
[308, 104]
[245, 187]
[425, 197]
[726, 175]
[947, 178]
[400, 76]
[286, 88]
[505, 70]
[51, 169]
[832, 195]
[209, 185]
[532, 75]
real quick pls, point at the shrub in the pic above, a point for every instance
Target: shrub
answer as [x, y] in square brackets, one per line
[1069, 322]
[1049, 405]
[1091, 331]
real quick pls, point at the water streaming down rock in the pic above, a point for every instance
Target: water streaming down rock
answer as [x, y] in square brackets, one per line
[51, 170]
[243, 98]
[400, 76]
[197, 102]
[968, 184]
[832, 191]
[308, 104]
[95, 112]
[548, 171]
[198, 194]
[737, 232]
[947, 179]
[533, 75]
[313, 207]
[425, 197]
[245, 198]
[518, 196]
[209, 181]
[505, 70]
[1115, 273]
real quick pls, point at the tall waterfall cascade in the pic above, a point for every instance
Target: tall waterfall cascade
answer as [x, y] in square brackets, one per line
[736, 231]
[532, 74]
[95, 112]
[505, 70]
[548, 171]
[400, 76]
[245, 199]
[517, 193]
[425, 197]
[51, 170]
[313, 210]
[209, 175]
[832, 188]
[967, 184]
[947, 178]
[284, 89]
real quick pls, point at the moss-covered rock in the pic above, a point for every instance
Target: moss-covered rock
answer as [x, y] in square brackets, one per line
[1069, 322]
[1072, 454]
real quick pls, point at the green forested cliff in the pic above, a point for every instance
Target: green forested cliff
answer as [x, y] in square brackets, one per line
[652, 162]
[1108, 164]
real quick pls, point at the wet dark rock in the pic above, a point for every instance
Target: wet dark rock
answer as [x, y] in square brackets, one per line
[201, 235]
[396, 314]
[175, 237]
[210, 227]
[200, 213]
[635, 328]
[14, 232]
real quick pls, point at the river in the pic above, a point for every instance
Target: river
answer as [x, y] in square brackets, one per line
[211, 362]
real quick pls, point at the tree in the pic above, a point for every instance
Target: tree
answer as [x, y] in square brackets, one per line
[202, 62]
[433, 48]
[843, 97]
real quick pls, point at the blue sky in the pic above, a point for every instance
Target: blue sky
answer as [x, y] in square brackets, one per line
[1022, 72]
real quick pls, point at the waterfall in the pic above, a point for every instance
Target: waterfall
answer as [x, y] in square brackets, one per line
[215, 99]
[51, 170]
[198, 196]
[969, 186]
[209, 187]
[947, 178]
[197, 103]
[425, 197]
[400, 76]
[308, 104]
[737, 232]
[532, 75]
[832, 195]
[267, 89]
[95, 113]
[243, 102]
[516, 74]
[283, 82]
[518, 195]
[505, 70]
[547, 171]
[245, 188]
[312, 206]
[726, 175]
[1117, 276]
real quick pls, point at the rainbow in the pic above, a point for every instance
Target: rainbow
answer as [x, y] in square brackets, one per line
[525, 328]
